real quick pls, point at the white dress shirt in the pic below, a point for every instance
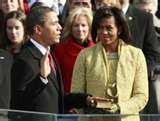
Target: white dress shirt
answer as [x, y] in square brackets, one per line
[43, 50]
[31, 2]
[125, 8]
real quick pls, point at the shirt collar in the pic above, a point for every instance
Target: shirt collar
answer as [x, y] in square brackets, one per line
[42, 49]
[125, 8]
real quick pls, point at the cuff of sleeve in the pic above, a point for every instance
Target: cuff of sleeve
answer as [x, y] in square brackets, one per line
[44, 80]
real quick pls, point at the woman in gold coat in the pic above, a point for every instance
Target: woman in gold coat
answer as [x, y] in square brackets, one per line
[113, 71]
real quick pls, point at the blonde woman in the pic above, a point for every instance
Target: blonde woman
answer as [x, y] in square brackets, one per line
[75, 37]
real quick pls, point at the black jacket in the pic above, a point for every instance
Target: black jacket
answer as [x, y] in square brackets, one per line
[5, 71]
[143, 35]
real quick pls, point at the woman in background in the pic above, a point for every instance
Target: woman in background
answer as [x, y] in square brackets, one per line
[75, 37]
[7, 6]
[14, 35]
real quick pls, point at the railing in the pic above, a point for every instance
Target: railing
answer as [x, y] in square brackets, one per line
[15, 115]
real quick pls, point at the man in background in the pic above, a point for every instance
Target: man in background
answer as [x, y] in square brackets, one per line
[143, 36]
[151, 7]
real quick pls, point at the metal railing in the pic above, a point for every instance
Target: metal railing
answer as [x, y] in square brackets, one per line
[16, 115]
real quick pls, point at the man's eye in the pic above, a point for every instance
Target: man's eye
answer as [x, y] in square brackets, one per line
[17, 27]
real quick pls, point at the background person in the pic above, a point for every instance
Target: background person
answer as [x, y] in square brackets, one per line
[5, 79]
[70, 4]
[15, 33]
[143, 34]
[150, 6]
[100, 3]
[153, 105]
[5, 83]
[7, 6]
[76, 36]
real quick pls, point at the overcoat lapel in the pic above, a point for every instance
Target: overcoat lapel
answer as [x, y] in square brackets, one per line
[131, 19]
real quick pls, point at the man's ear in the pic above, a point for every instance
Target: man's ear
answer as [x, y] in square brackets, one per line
[37, 29]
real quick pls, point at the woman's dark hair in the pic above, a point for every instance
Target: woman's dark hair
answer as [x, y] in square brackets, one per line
[120, 20]
[18, 15]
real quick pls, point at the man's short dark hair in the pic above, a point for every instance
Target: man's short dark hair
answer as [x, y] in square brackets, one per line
[36, 16]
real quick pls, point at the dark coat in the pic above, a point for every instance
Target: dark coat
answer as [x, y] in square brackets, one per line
[143, 35]
[5, 70]
[29, 93]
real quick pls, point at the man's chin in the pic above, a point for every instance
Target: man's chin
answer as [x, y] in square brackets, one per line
[56, 41]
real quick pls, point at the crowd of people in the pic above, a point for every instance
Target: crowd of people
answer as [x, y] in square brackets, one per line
[80, 56]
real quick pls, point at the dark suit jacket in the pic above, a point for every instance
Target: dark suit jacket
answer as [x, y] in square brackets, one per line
[28, 91]
[143, 35]
[5, 69]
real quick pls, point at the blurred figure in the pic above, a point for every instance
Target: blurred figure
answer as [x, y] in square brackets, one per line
[158, 12]
[26, 6]
[113, 71]
[100, 3]
[56, 5]
[5, 83]
[76, 3]
[15, 34]
[151, 7]
[5, 79]
[31, 2]
[7, 6]
[75, 37]
[143, 34]
[37, 4]
[70, 4]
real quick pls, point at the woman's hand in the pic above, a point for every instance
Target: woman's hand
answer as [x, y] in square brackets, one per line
[91, 102]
